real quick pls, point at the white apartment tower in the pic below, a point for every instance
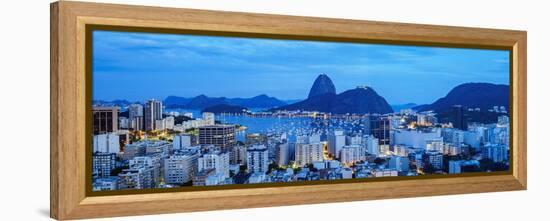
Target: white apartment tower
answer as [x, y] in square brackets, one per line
[180, 168]
[215, 160]
[351, 154]
[372, 145]
[336, 141]
[208, 118]
[135, 114]
[257, 159]
[106, 143]
[308, 153]
[182, 140]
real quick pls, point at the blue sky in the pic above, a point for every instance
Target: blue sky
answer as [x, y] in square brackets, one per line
[139, 66]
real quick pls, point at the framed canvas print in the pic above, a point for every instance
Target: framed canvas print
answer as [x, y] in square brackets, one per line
[174, 110]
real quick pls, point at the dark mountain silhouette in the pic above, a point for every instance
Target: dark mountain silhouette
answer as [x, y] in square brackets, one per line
[322, 103]
[361, 100]
[225, 108]
[256, 102]
[322, 85]
[472, 95]
[176, 102]
[292, 101]
[203, 101]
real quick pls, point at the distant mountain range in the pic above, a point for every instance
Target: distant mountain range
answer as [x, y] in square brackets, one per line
[260, 101]
[203, 101]
[323, 98]
[399, 107]
[471, 95]
[176, 101]
[118, 102]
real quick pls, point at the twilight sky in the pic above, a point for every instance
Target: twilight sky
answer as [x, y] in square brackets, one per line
[140, 66]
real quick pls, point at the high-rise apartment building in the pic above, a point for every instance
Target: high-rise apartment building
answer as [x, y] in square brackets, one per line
[104, 119]
[336, 141]
[183, 140]
[152, 113]
[352, 153]
[238, 155]
[208, 118]
[399, 163]
[495, 152]
[257, 159]
[135, 116]
[137, 178]
[283, 155]
[433, 158]
[308, 153]
[134, 150]
[106, 143]
[372, 145]
[457, 119]
[180, 168]
[379, 127]
[219, 161]
[153, 160]
[103, 164]
[220, 135]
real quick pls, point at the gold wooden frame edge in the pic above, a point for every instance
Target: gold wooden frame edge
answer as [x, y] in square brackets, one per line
[68, 90]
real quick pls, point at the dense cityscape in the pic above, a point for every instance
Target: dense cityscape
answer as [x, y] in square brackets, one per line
[146, 145]
[183, 111]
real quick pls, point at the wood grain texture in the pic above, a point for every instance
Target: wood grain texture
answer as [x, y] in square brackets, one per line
[54, 95]
[519, 120]
[68, 99]
[66, 193]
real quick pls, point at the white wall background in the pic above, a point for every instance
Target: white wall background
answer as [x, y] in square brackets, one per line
[24, 111]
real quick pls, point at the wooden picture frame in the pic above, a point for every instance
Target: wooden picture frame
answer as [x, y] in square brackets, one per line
[70, 91]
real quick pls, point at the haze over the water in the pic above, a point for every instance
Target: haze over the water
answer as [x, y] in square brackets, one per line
[139, 66]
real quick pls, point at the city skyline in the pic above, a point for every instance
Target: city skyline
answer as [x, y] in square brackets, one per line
[343, 127]
[139, 66]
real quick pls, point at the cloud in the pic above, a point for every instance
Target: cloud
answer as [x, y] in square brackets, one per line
[232, 66]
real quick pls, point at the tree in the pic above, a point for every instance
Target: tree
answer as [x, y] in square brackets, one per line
[242, 168]
[428, 168]
[470, 168]
[311, 167]
[272, 166]
[501, 167]
[379, 160]
[116, 171]
[486, 165]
